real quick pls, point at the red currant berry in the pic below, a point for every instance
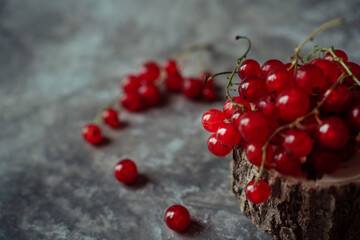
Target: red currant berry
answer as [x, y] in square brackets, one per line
[111, 117]
[270, 65]
[174, 82]
[208, 94]
[208, 84]
[177, 218]
[325, 161]
[285, 163]
[355, 70]
[297, 143]
[212, 119]
[329, 69]
[216, 147]
[252, 88]
[131, 101]
[292, 104]
[92, 134]
[267, 106]
[192, 88]
[229, 107]
[292, 69]
[339, 53]
[353, 117]
[254, 153]
[235, 118]
[279, 80]
[150, 95]
[310, 78]
[150, 71]
[248, 68]
[332, 133]
[125, 171]
[336, 100]
[228, 135]
[130, 83]
[170, 67]
[254, 127]
[259, 193]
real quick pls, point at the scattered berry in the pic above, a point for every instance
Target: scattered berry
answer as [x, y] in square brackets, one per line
[177, 218]
[259, 193]
[111, 117]
[125, 171]
[92, 134]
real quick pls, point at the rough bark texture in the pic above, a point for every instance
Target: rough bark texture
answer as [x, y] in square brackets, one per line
[299, 208]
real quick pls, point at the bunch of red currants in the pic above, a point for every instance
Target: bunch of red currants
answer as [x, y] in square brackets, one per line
[290, 117]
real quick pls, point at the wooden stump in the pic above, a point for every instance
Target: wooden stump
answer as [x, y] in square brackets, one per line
[298, 208]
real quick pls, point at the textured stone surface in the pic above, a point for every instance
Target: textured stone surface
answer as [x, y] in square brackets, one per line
[62, 60]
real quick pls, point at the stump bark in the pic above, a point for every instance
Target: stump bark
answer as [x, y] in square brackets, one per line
[298, 208]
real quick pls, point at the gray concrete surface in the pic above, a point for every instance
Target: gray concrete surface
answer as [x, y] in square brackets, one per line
[62, 60]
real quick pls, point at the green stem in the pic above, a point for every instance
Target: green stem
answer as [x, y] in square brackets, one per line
[97, 117]
[208, 78]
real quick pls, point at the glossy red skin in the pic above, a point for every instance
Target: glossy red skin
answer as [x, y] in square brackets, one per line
[92, 134]
[339, 53]
[150, 95]
[252, 88]
[216, 147]
[130, 83]
[292, 104]
[174, 82]
[111, 118]
[254, 127]
[131, 101]
[235, 118]
[325, 161]
[309, 78]
[170, 66]
[249, 67]
[229, 107]
[125, 171]
[353, 117]
[150, 72]
[177, 218]
[286, 164]
[270, 65]
[332, 133]
[259, 193]
[209, 94]
[279, 80]
[267, 106]
[297, 143]
[192, 88]
[212, 119]
[228, 135]
[254, 153]
[208, 84]
[337, 99]
[329, 69]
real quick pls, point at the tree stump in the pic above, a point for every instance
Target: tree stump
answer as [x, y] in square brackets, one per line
[298, 208]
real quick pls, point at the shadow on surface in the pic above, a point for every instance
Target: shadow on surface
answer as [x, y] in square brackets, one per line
[195, 228]
[140, 182]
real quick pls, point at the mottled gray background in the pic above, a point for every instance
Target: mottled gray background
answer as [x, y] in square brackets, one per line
[61, 60]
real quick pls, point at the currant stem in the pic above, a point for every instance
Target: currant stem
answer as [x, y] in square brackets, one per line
[97, 117]
[208, 78]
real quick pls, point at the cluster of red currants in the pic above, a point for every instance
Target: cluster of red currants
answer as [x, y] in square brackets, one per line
[288, 116]
[146, 90]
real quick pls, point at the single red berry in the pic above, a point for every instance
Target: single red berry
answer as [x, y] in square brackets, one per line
[332, 133]
[216, 147]
[229, 107]
[252, 88]
[285, 163]
[192, 88]
[177, 218]
[111, 117]
[292, 104]
[131, 101]
[267, 106]
[254, 153]
[309, 78]
[92, 134]
[125, 171]
[254, 127]
[174, 82]
[339, 53]
[228, 135]
[170, 67]
[297, 143]
[353, 117]
[336, 100]
[150, 95]
[279, 80]
[208, 94]
[329, 69]
[150, 71]
[270, 65]
[258, 193]
[130, 83]
[325, 161]
[212, 119]
[235, 118]
[249, 67]
[203, 76]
